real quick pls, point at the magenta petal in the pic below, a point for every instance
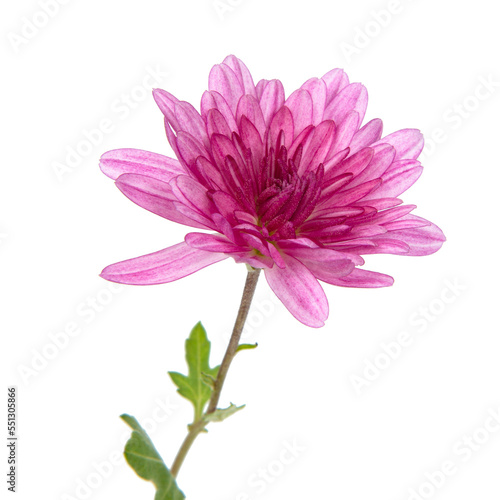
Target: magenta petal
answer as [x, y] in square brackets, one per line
[345, 133]
[213, 100]
[272, 99]
[317, 88]
[212, 243]
[166, 102]
[282, 121]
[135, 161]
[155, 196]
[324, 263]
[366, 135]
[223, 80]
[354, 97]
[192, 194]
[318, 146]
[250, 107]
[164, 266]
[360, 278]
[422, 240]
[299, 291]
[335, 81]
[301, 106]
[242, 73]
[190, 121]
[408, 143]
[398, 179]
[217, 124]
[383, 155]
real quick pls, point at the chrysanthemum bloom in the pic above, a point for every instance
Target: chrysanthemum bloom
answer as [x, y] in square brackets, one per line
[294, 186]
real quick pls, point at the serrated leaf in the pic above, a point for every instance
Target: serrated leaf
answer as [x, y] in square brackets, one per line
[222, 413]
[193, 386]
[243, 347]
[142, 456]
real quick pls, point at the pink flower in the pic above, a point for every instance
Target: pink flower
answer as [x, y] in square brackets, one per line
[294, 186]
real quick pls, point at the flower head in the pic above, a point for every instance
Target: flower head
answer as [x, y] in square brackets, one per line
[295, 186]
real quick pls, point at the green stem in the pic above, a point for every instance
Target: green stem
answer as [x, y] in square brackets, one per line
[199, 425]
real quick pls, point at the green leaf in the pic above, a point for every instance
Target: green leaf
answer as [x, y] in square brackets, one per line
[194, 386]
[243, 347]
[142, 456]
[222, 413]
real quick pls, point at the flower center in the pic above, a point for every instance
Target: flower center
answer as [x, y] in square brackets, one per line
[285, 198]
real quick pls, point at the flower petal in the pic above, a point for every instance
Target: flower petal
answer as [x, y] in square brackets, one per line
[164, 266]
[408, 143]
[155, 196]
[135, 161]
[273, 97]
[223, 80]
[242, 73]
[299, 291]
[212, 243]
[422, 240]
[354, 97]
[361, 278]
[317, 89]
[301, 105]
[335, 81]
[366, 135]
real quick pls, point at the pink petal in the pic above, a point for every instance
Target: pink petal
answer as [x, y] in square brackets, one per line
[335, 81]
[190, 121]
[360, 278]
[422, 240]
[217, 124]
[272, 99]
[164, 266]
[299, 291]
[408, 143]
[251, 139]
[211, 243]
[398, 179]
[352, 195]
[366, 135]
[213, 100]
[301, 106]
[192, 194]
[226, 205]
[242, 73]
[318, 146]
[135, 161]
[223, 80]
[250, 107]
[155, 196]
[354, 97]
[317, 89]
[383, 155]
[345, 133]
[166, 102]
[282, 121]
[324, 263]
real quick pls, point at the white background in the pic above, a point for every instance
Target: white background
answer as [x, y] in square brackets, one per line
[423, 65]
